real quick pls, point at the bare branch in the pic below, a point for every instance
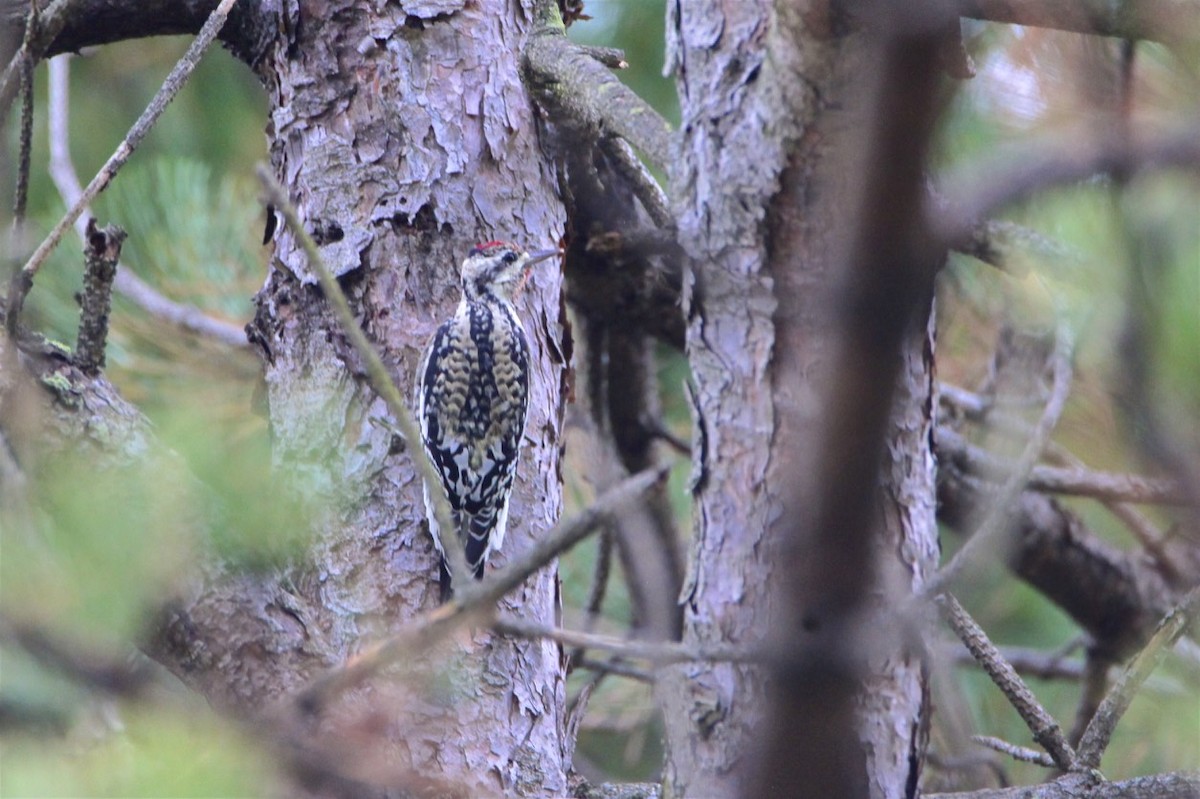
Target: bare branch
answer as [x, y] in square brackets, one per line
[477, 598]
[23, 280]
[1021, 753]
[1032, 663]
[1080, 482]
[1045, 729]
[659, 653]
[1117, 597]
[615, 666]
[1099, 732]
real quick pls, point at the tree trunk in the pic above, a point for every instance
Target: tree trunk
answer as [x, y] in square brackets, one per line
[758, 82]
[404, 137]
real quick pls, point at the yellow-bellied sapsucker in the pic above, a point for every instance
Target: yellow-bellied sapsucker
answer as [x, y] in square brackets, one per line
[472, 400]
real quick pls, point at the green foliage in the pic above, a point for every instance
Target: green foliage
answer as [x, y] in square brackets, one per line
[162, 753]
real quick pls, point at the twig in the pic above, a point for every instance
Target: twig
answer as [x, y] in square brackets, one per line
[171, 86]
[1033, 663]
[1080, 482]
[1045, 729]
[598, 590]
[1095, 685]
[380, 380]
[1015, 752]
[128, 284]
[616, 666]
[101, 252]
[478, 596]
[611, 57]
[658, 653]
[1099, 732]
[998, 512]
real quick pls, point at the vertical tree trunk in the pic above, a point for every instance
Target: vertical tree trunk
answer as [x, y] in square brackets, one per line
[404, 136]
[758, 81]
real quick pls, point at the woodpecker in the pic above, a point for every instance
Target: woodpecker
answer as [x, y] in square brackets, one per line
[472, 401]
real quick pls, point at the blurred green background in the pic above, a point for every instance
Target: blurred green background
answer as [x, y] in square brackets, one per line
[86, 566]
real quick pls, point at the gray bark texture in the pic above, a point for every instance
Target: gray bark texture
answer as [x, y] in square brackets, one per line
[757, 83]
[403, 135]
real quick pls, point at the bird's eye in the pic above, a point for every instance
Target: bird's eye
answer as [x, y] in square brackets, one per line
[509, 257]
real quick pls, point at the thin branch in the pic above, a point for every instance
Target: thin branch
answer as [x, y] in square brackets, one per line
[615, 666]
[23, 281]
[1021, 753]
[128, 284]
[1095, 685]
[598, 591]
[1080, 482]
[477, 597]
[658, 653]
[1045, 729]
[1099, 732]
[380, 380]
[998, 513]
[1032, 663]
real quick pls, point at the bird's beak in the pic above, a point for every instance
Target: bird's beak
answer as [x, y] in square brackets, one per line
[541, 255]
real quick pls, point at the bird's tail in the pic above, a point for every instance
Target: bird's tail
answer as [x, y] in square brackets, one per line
[474, 533]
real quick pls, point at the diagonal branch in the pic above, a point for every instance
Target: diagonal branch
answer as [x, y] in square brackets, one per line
[478, 597]
[1045, 729]
[1079, 482]
[1099, 731]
